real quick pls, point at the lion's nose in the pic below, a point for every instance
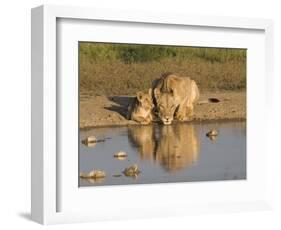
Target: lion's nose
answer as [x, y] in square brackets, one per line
[167, 118]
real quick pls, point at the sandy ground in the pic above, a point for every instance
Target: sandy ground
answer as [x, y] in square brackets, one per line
[110, 111]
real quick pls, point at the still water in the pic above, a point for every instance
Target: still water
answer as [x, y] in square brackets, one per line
[173, 153]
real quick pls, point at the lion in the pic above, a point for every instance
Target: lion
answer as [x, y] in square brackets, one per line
[141, 110]
[173, 147]
[178, 146]
[175, 96]
[143, 138]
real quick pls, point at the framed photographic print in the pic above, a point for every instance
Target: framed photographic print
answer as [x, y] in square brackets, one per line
[139, 114]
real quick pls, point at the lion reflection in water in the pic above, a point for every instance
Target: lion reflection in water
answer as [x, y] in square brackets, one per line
[143, 137]
[174, 147]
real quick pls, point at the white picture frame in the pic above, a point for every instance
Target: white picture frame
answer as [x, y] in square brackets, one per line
[46, 185]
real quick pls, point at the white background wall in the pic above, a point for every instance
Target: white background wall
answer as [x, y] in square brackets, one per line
[15, 112]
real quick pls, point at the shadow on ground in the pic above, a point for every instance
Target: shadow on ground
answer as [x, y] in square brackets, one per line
[120, 104]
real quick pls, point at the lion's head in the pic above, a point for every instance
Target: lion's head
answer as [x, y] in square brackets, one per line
[166, 105]
[145, 100]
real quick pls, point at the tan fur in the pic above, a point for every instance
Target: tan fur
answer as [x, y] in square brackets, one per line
[174, 148]
[175, 96]
[179, 146]
[141, 108]
[143, 137]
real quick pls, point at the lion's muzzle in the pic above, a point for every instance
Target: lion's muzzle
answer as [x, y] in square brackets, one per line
[167, 120]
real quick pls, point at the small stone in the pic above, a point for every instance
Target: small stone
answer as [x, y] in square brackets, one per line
[120, 155]
[90, 141]
[213, 100]
[132, 171]
[212, 133]
[94, 174]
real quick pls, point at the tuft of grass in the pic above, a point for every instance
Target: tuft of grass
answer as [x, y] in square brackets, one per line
[115, 69]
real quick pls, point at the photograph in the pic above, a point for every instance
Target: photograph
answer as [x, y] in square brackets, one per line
[151, 113]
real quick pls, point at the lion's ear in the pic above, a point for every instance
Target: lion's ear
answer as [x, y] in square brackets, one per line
[140, 96]
[157, 93]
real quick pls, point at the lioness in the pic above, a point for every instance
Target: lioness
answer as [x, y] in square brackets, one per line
[141, 108]
[178, 146]
[174, 147]
[175, 96]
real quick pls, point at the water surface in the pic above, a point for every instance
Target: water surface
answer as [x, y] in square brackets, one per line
[175, 153]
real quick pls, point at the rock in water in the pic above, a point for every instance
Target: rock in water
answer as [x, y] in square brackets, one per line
[132, 171]
[90, 141]
[94, 174]
[212, 133]
[120, 155]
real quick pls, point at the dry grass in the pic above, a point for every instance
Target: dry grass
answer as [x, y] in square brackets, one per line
[114, 77]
